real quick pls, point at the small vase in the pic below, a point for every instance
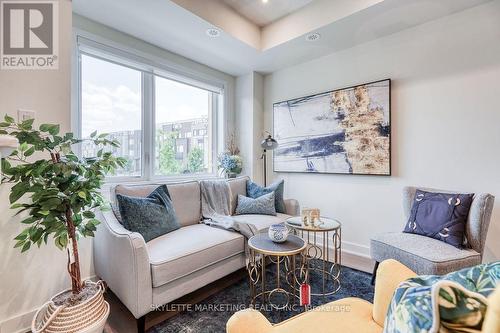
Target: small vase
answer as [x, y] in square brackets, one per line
[278, 233]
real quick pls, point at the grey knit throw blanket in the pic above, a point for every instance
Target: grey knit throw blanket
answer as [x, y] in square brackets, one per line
[216, 208]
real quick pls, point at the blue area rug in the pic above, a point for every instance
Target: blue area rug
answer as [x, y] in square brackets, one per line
[211, 315]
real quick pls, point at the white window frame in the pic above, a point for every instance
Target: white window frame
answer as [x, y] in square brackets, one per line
[149, 66]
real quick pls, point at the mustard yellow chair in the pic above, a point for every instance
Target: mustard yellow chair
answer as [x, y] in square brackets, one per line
[349, 314]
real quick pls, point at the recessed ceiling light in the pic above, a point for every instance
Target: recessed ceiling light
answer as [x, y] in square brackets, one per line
[313, 37]
[265, 1]
[213, 32]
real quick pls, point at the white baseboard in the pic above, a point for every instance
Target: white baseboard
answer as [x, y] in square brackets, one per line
[22, 323]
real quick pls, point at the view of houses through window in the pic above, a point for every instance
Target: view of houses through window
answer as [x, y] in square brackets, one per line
[111, 102]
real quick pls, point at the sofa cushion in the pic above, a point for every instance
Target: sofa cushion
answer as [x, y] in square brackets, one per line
[189, 249]
[263, 205]
[262, 222]
[238, 186]
[422, 254]
[254, 190]
[186, 197]
[152, 216]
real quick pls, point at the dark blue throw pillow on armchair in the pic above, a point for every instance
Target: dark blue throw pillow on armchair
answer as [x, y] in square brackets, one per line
[440, 215]
[152, 216]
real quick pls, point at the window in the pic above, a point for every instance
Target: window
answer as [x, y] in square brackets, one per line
[151, 112]
[184, 107]
[111, 103]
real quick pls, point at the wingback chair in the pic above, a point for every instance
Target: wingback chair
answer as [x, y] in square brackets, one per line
[426, 255]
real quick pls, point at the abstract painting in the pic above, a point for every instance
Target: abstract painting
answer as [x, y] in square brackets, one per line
[346, 131]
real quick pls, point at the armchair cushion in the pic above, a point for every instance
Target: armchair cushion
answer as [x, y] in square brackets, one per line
[440, 216]
[423, 255]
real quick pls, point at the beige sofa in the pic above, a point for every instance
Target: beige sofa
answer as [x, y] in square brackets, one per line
[146, 275]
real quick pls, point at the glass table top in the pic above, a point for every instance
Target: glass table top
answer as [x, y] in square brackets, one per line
[325, 224]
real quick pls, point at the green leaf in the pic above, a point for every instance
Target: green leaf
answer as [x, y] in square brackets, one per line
[18, 191]
[9, 119]
[30, 151]
[16, 206]
[4, 124]
[22, 235]
[26, 247]
[54, 130]
[88, 214]
[23, 146]
[82, 195]
[26, 124]
[45, 127]
[29, 220]
[93, 134]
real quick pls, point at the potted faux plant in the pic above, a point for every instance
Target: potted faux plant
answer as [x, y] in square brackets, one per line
[59, 192]
[230, 162]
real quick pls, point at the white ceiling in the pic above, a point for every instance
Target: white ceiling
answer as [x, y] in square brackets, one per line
[170, 26]
[262, 13]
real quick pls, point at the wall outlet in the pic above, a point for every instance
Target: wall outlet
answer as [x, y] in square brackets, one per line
[23, 114]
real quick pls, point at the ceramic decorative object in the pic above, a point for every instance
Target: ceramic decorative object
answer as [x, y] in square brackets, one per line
[278, 233]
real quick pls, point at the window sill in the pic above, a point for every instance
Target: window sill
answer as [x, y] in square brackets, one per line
[159, 179]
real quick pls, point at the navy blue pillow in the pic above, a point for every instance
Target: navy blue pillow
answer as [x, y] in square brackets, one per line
[152, 216]
[440, 216]
[254, 191]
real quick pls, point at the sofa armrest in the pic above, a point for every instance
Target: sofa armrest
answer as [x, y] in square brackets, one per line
[248, 321]
[121, 259]
[292, 207]
[390, 274]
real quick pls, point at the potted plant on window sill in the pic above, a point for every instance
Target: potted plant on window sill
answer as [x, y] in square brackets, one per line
[59, 194]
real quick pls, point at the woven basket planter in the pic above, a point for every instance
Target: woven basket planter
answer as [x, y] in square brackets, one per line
[87, 317]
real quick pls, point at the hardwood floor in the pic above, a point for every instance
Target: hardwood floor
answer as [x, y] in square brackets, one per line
[122, 321]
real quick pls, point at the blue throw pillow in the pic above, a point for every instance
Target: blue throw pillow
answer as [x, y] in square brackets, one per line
[152, 216]
[440, 215]
[254, 191]
[263, 205]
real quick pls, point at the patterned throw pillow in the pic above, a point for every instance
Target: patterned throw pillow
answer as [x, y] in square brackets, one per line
[152, 216]
[263, 205]
[440, 215]
[452, 303]
[254, 191]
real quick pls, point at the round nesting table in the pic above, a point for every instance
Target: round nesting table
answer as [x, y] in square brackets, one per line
[284, 256]
[318, 238]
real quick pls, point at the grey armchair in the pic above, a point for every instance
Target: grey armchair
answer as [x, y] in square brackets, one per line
[426, 255]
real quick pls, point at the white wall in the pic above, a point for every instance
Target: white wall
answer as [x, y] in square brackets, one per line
[249, 120]
[29, 279]
[445, 120]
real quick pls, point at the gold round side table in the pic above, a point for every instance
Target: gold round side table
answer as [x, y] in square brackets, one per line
[326, 231]
[284, 256]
